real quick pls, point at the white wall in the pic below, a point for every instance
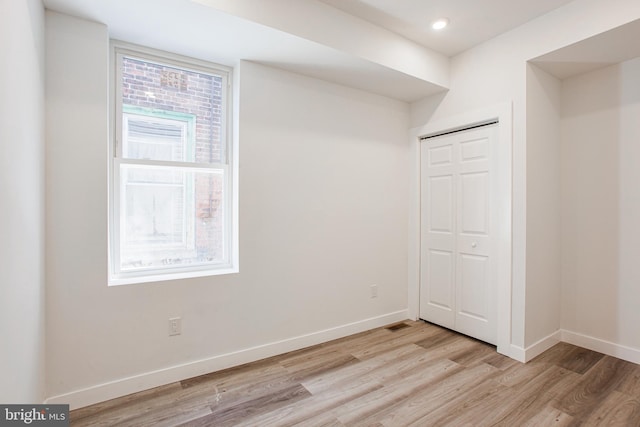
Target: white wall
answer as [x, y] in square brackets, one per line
[323, 215]
[83, 319]
[22, 194]
[601, 204]
[543, 205]
[495, 72]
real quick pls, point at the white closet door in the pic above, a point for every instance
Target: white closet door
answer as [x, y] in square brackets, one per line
[458, 242]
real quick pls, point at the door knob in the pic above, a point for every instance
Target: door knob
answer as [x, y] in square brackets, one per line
[474, 244]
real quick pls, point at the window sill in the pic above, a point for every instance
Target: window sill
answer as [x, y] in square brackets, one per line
[117, 281]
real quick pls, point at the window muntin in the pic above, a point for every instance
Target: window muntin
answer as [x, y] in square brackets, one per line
[171, 177]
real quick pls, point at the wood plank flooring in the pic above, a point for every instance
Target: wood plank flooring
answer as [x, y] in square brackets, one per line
[407, 374]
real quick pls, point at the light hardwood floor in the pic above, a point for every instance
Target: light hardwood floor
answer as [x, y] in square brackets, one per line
[408, 374]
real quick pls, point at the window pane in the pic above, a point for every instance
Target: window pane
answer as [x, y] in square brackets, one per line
[170, 217]
[154, 138]
[161, 88]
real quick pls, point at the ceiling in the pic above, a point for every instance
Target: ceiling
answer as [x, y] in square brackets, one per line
[471, 22]
[608, 48]
[358, 43]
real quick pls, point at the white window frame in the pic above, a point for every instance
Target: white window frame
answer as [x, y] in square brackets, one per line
[227, 168]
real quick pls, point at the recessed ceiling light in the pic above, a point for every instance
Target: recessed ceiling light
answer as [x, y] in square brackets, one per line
[440, 24]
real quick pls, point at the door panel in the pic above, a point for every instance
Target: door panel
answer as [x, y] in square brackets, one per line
[474, 150]
[439, 156]
[458, 244]
[474, 296]
[438, 206]
[441, 204]
[474, 207]
[441, 279]
[473, 286]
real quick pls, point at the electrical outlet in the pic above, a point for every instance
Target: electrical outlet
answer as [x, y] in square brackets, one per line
[175, 326]
[374, 291]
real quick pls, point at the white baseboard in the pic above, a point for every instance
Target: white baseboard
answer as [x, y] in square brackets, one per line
[606, 347]
[524, 355]
[517, 353]
[542, 345]
[122, 387]
[612, 349]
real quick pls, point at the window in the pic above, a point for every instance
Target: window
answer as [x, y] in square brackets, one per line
[172, 192]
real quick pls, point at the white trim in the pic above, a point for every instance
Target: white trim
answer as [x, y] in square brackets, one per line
[541, 346]
[504, 114]
[517, 353]
[413, 261]
[205, 271]
[620, 351]
[147, 380]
